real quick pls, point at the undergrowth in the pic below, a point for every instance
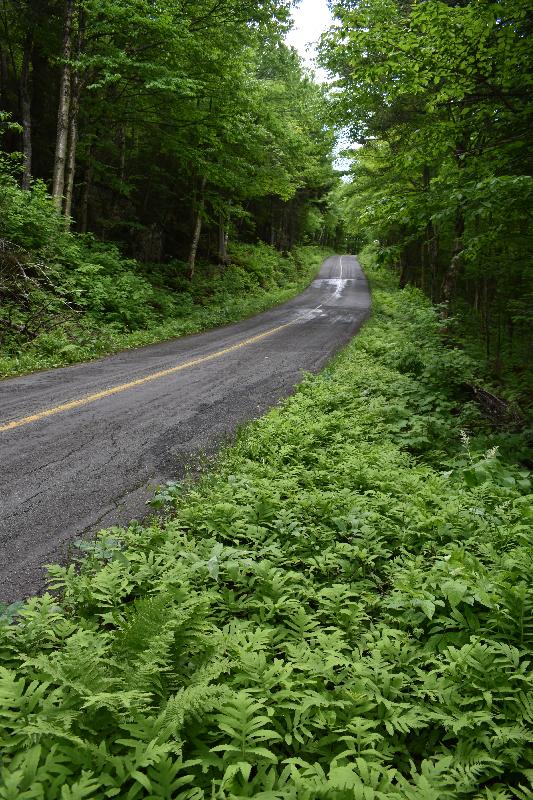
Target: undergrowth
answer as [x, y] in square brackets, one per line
[67, 297]
[342, 610]
[117, 304]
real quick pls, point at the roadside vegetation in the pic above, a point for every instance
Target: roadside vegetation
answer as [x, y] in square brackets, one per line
[342, 609]
[68, 298]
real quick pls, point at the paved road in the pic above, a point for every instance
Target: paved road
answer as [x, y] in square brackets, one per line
[82, 447]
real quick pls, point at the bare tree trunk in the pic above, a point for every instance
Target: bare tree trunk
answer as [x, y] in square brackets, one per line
[498, 365]
[222, 239]
[291, 226]
[424, 258]
[194, 244]
[86, 193]
[3, 78]
[197, 230]
[282, 244]
[402, 283]
[450, 279]
[486, 317]
[119, 192]
[63, 112]
[75, 90]
[433, 252]
[425, 252]
[72, 143]
[25, 107]
[122, 143]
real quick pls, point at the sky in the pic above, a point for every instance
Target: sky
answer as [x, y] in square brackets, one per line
[311, 18]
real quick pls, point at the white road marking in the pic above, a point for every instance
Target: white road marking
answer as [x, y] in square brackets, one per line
[339, 284]
[318, 282]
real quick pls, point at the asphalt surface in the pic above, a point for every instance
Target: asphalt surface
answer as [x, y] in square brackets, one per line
[71, 471]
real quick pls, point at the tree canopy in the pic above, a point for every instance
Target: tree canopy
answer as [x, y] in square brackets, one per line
[436, 97]
[164, 125]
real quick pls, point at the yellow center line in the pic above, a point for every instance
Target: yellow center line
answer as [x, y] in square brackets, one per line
[123, 387]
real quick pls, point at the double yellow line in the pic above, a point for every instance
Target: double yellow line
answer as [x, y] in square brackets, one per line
[123, 387]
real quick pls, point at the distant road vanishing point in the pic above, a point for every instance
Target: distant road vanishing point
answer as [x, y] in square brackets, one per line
[83, 447]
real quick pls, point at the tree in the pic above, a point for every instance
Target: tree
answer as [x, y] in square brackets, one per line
[439, 95]
[170, 127]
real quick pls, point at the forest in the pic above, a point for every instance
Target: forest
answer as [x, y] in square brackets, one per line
[438, 96]
[158, 135]
[163, 133]
[338, 606]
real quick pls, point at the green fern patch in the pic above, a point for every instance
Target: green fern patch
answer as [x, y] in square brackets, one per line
[342, 610]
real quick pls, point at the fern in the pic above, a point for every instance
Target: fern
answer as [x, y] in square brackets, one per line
[248, 731]
[326, 617]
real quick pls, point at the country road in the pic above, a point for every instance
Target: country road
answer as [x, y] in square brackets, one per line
[83, 447]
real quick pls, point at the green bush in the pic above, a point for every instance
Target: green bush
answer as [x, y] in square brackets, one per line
[342, 610]
[29, 219]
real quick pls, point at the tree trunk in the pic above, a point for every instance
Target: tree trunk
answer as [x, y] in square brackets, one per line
[3, 78]
[433, 255]
[450, 279]
[75, 90]
[498, 364]
[486, 318]
[119, 192]
[282, 243]
[197, 230]
[122, 145]
[86, 193]
[291, 226]
[25, 107]
[72, 143]
[63, 113]
[425, 255]
[272, 224]
[402, 282]
[222, 239]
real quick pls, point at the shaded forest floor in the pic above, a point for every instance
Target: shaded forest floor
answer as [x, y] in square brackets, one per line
[342, 608]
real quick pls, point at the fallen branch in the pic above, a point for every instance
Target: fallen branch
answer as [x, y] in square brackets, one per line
[500, 412]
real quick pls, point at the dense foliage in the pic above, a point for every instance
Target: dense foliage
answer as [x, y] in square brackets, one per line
[170, 138]
[168, 127]
[342, 610]
[438, 95]
[68, 297]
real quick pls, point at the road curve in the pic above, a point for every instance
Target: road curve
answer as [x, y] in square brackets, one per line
[82, 447]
